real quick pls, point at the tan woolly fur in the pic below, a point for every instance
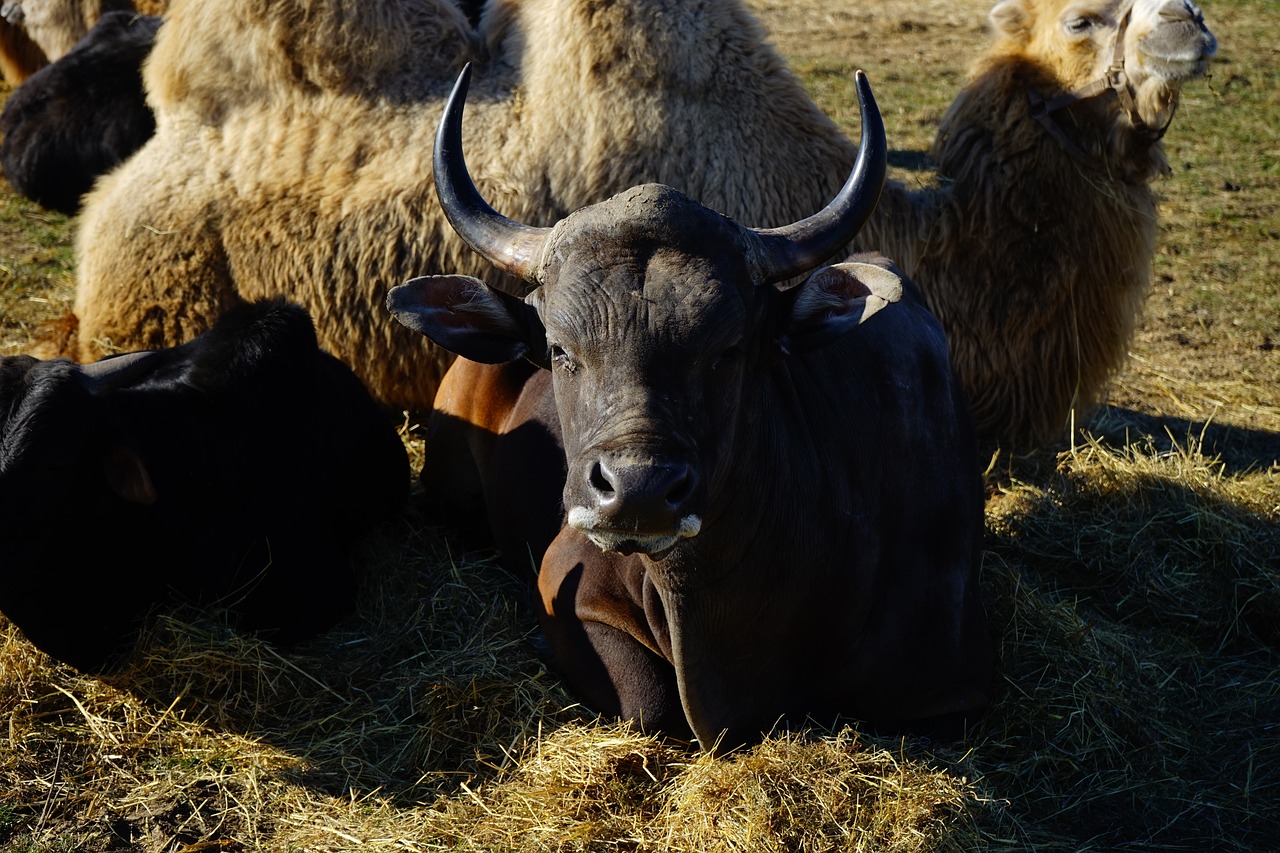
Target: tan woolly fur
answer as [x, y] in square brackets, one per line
[293, 154]
[1037, 260]
[293, 158]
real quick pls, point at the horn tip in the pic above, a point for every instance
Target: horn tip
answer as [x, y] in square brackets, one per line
[862, 84]
[463, 81]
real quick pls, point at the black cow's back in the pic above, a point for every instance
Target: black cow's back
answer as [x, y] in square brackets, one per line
[79, 117]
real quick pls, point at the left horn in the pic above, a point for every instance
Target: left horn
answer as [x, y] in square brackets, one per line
[506, 244]
[799, 247]
[104, 376]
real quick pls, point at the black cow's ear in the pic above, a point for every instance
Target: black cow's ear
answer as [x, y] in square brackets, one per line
[127, 476]
[835, 299]
[466, 316]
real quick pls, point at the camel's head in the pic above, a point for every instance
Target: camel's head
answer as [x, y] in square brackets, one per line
[1165, 44]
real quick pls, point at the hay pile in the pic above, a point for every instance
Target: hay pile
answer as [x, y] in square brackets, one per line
[1136, 594]
[1134, 591]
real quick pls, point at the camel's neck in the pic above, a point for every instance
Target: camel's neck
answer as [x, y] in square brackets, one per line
[991, 120]
[1017, 240]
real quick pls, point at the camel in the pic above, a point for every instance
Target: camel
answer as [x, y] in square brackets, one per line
[1034, 244]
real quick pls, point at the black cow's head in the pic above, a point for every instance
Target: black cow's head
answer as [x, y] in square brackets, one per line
[655, 316]
[74, 490]
[59, 442]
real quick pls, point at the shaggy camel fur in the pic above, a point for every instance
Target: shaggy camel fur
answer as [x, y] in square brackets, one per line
[308, 174]
[1034, 246]
[292, 155]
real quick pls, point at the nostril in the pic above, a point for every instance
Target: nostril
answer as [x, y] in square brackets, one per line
[682, 486]
[646, 494]
[601, 479]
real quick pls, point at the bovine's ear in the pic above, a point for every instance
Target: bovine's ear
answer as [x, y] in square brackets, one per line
[1010, 18]
[466, 316]
[127, 476]
[835, 299]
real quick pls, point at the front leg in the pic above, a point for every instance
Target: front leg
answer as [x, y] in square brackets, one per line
[493, 468]
[607, 631]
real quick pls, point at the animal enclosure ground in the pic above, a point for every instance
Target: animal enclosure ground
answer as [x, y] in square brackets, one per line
[1132, 577]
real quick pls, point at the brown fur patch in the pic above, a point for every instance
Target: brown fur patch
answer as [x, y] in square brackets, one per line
[20, 57]
[56, 338]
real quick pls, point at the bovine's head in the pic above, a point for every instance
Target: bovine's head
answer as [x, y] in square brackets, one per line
[59, 447]
[1165, 43]
[654, 315]
[71, 486]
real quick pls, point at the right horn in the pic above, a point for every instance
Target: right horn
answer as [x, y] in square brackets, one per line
[506, 244]
[799, 247]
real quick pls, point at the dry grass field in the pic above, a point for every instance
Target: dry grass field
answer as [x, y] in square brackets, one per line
[1132, 577]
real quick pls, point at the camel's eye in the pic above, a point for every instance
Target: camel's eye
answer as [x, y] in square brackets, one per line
[1081, 25]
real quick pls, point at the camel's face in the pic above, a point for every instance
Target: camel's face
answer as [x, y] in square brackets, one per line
[1165, 44]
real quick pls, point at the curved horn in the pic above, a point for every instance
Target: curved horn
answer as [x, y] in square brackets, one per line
[801, 246]
[101, 377]
[506, 244]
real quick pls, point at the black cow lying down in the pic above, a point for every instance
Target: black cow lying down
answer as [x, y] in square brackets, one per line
[81, 116]
[748, 502]
[234, 470]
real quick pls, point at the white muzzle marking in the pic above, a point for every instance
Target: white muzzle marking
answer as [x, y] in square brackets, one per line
[588, 521]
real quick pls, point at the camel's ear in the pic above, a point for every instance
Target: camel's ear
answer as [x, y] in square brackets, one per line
[1010, 17]
[835, 299]
[466, 316]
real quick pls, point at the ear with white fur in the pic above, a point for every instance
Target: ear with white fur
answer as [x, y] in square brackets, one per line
[1010, 18]
[466, 316]
[835, 299]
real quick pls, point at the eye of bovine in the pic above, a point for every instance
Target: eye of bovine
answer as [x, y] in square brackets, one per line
[728, 357]
[561, 359]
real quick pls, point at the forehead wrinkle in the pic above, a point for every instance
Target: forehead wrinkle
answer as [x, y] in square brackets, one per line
[686, 300]
[649, 299]
[586, 301]
[676, 311]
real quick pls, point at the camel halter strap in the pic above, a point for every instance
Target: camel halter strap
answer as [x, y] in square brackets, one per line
[1114, 79]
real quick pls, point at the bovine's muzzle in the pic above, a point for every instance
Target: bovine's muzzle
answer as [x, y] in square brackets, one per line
[635, 506]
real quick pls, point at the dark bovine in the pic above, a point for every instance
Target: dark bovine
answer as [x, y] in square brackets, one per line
[235, 470]
[747, 501]
[79, 117]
